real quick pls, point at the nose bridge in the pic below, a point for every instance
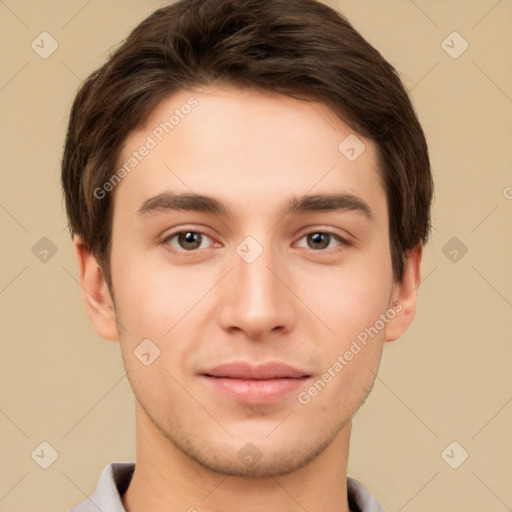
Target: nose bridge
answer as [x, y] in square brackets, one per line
[252, 268]
[256, 300]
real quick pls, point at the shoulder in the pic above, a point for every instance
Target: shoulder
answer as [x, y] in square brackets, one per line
[113, 482]
[360, 499]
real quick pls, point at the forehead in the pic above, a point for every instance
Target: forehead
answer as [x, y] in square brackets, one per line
[249, 148]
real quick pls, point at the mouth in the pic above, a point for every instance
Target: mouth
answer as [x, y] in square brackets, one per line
[262, 384]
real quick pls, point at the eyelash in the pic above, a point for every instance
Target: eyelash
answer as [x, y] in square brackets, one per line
[166, 241]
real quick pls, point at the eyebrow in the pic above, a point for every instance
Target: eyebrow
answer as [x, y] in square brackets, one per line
[308, 203]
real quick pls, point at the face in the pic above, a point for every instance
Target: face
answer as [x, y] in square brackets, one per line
[268, 298]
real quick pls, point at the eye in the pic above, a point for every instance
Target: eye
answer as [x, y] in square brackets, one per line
[321, 240]
[187, 240]
[190, 240]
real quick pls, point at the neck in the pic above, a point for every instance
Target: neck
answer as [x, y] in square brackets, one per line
[167, 479]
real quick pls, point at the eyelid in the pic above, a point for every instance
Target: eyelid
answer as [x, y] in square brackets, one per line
[197, 228]
[345, 237]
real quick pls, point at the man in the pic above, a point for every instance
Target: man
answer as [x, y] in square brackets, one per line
[249, 190]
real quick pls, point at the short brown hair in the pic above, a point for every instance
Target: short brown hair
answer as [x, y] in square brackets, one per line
[300, 48]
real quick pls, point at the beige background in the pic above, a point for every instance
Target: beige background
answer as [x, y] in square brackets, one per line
[448, 379]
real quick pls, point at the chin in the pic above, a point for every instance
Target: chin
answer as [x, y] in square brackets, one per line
[251, 462]
[261, 458]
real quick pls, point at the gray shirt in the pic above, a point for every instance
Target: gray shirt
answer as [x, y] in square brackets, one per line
[116, 476]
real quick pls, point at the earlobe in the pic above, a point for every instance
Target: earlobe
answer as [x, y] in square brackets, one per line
[98, 300]
[405, 295]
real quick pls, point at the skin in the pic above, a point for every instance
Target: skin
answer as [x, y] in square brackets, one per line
[296, 303]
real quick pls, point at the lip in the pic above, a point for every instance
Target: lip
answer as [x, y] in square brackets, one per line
[255, 384]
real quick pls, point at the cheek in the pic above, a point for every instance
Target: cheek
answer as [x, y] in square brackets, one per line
[350, 356]
[151, 299]
[349, 300]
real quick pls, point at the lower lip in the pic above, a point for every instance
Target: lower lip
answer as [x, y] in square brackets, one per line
[255, 391]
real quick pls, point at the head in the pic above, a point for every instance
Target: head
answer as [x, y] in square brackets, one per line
[253, 105]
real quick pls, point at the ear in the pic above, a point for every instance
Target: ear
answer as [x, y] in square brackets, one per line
[405, 294]
[98, 300]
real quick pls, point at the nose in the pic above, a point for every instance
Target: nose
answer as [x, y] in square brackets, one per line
[255, 296]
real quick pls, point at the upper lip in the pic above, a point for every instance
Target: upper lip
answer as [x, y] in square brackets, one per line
[243, 370]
